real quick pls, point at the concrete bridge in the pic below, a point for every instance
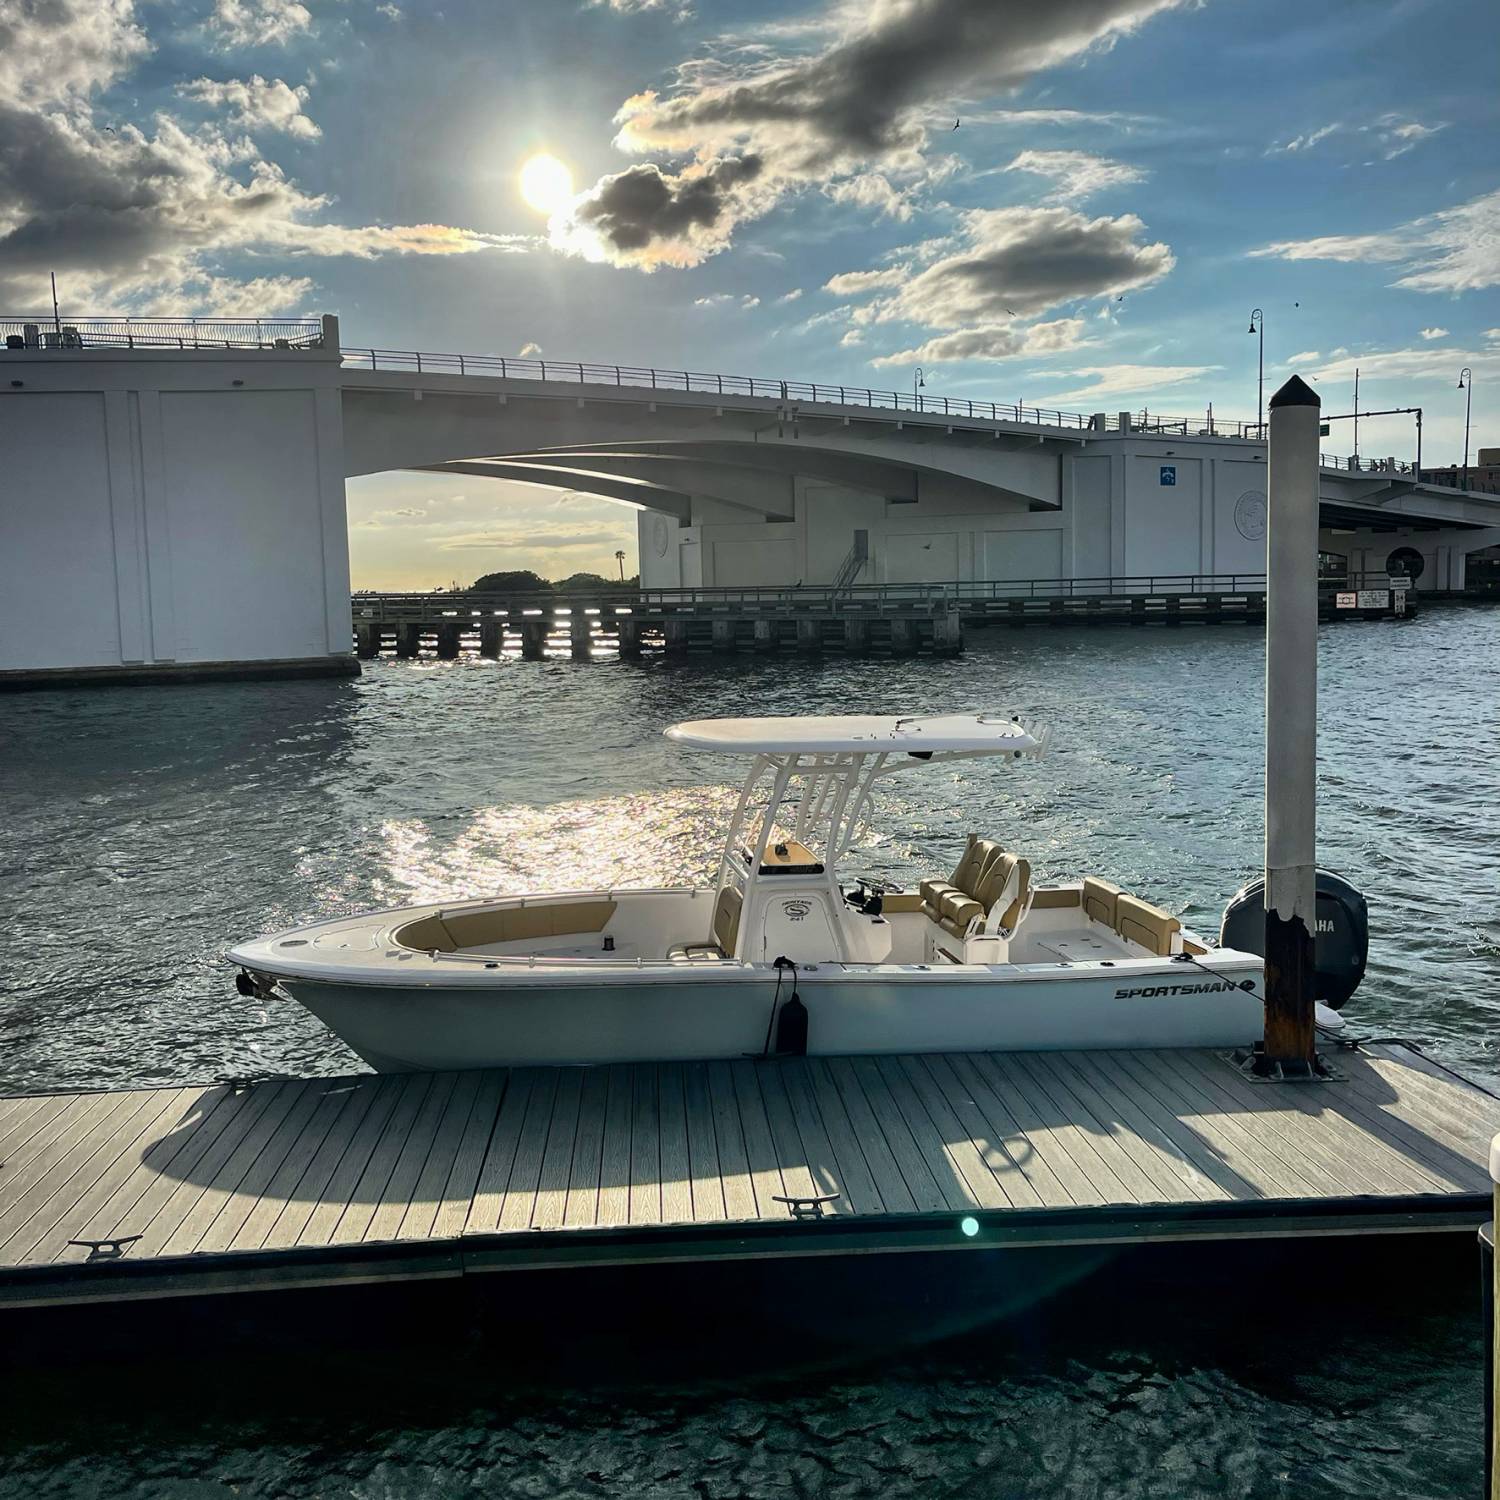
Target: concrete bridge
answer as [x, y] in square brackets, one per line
[174, 491]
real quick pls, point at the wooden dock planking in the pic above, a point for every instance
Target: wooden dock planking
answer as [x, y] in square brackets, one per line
[325, 1171]
[707, 1183]
[461, 1190]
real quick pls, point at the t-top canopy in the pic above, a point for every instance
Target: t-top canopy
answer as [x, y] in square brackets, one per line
[861, 734]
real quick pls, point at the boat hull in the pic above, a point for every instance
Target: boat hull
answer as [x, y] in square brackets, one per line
[851, 1009]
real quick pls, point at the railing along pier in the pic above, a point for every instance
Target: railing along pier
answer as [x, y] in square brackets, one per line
[896, 619]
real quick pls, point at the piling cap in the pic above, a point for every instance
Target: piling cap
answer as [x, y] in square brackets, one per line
[1296, 392]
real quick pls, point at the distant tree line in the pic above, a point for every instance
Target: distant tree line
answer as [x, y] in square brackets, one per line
[523, 580]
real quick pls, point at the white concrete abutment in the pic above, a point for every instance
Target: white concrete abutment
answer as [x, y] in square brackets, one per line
[172, 513]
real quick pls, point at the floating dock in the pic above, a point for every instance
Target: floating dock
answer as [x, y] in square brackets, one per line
[282, 1183]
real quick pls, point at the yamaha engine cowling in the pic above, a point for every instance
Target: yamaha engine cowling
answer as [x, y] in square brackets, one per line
[1341, 942]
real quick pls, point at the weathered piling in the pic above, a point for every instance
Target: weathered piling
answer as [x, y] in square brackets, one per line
[580, 635]
[1291, 730]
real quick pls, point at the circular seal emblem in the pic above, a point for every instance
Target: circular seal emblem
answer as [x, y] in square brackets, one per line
[659, 536]
[1250, 515]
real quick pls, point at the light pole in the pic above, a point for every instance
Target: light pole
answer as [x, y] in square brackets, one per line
[918, 381]
[1466, 383]
[1258, 325]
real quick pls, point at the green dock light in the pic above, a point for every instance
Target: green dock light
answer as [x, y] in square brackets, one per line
[970, 1225]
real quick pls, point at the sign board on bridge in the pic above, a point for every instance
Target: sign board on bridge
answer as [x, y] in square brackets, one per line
[1345, 601]
[1373, 598]
[1169, 473]
[1400, 583]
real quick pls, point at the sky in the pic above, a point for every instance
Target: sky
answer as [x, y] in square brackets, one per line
[1074, 205]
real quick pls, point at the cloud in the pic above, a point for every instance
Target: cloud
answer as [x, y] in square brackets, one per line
[1018, 262]
[852, 117]
[790, 296]
[258, 23]
[532, 538]
[1454, 250]
[1125, 380]
[875, 191]
[1406, 364]
[726, 299]
[1397, 135]
[380, 520]
[530, 351]
[647, 217]
[136, 218]
[1306, 357]
[993, 343]
[1078, 174]
[255, 101]
[1308, 141]
[1434, 333]
[1028, 118]
[855, 283]
[681, 8]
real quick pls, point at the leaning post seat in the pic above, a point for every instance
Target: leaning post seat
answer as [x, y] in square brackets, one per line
[1005, 893]
[947, 898]
[726, 932]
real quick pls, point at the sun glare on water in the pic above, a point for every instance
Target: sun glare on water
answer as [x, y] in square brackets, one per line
[546, 183]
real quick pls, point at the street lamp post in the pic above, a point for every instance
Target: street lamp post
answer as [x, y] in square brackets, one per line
[1258, 325]
[1466, 383]
[918, 381]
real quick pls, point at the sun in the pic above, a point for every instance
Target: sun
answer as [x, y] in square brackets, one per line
[546, 183]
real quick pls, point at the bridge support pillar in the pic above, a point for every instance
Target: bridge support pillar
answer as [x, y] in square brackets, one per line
[630, 635]
[809, 635]
[533, 639]
[674, 633]
[856, 636]
[580, 635]
[765, 635]
[723, 635]
[447, 642]
[491, 638]
[903, 635]
[947, 633]
[370, 638]
[408, 641]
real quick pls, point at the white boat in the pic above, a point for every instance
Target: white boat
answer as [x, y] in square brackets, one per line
[776, 956]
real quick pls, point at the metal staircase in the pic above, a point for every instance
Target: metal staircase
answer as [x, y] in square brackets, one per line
[853, 564]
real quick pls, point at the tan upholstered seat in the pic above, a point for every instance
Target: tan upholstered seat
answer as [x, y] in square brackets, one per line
[726, 926]
[1006, 886]
[957, 913]
[967, 874]
[449, 931]
[1149, 926]
[1100, 900]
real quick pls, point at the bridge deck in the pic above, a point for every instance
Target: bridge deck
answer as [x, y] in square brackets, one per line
[307, 1181]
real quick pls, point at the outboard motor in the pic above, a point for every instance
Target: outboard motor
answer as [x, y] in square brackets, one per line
[1341, 941]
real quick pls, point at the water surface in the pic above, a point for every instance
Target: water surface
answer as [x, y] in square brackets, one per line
[147, 830]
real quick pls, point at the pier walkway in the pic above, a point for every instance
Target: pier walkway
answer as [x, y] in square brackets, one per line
[111, 1196]
[852, 619]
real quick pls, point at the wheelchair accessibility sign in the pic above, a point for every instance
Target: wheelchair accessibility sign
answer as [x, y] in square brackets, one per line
[1169, 473]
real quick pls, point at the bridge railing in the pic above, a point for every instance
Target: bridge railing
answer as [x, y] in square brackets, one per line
[1355, 465]
[161, 333]
[641, 377]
